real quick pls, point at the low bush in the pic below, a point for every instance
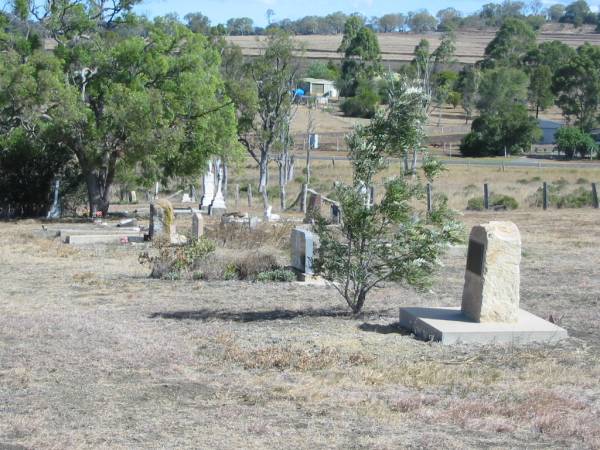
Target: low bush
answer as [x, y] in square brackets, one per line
[251, 265]
[495, 202]
[177, 261]
[579, 198]
[280, 275]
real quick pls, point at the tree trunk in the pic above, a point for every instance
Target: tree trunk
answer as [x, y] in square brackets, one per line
[360, 302]
[98, 194]
[282, 181]
[263, 168]
[413, 169]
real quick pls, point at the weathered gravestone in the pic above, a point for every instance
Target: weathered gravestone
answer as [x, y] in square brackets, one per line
[162, 222]
[302, 242]
[313, 209]
[490, 312]
[197, 225]
[491, 291]
[132, 197]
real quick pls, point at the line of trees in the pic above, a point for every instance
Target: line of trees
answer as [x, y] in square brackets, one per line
[517, 74]
[420, 21]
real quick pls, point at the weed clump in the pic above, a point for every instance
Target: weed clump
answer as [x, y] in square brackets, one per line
[495, 202]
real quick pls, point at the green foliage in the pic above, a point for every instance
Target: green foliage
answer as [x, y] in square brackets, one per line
[573, 140]
[511, 129]
[501, 88]
[557, 197]
[320, 70]
[421, 21]
[277, 275]
[577, 86]
[540, 88]
[494, 201]
[114, 92]
[578, 13]
[555, 12]
[541, 63]
[361, 56]
[364, 103]
[454, 98]
[401, 127]
[389, 241]
[467, 84]
[271, 76]
[514, 40]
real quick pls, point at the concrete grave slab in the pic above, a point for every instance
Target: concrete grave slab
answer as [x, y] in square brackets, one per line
[90, 239]
[452, 326]
[490, 312]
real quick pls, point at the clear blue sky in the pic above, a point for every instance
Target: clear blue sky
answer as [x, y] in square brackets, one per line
[221, 10]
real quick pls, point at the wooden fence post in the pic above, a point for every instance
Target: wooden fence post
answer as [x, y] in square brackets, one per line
[237, 196]
[249, 196]
[545, 196]
[486, 197]
[594, 196]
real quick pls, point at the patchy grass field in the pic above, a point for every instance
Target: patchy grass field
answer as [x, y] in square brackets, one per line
[95, 354]
[458, 183]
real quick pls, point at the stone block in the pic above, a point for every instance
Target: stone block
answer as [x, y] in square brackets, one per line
[197, 225]
[451, 326]
[491, 289]
[302, 243]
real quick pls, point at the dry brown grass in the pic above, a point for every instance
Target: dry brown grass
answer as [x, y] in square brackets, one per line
[95, 354]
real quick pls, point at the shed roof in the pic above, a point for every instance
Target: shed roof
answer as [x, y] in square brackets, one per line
[317, 81]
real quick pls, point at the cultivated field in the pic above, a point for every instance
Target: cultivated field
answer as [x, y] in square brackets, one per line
[95, 354]
[397, 48]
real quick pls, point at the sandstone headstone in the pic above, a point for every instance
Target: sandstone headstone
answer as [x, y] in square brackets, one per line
[302, 242]
[162, 222]
[491, 290]
[197, 225]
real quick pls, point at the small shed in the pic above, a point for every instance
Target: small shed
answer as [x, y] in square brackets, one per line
[316, 87]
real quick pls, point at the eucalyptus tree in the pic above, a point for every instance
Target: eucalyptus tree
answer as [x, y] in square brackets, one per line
[117, 90]
[391, 241]
[271, 76]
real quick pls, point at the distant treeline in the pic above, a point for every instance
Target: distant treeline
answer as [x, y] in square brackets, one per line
[447, 19]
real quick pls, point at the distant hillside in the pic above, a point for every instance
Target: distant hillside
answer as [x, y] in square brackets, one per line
[397, 48]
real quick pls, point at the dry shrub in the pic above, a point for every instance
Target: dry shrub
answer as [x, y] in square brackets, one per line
[240, 236]
[226, 264]
[250, 265]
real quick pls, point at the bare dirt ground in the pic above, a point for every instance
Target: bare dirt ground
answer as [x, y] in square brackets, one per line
[95, 354]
